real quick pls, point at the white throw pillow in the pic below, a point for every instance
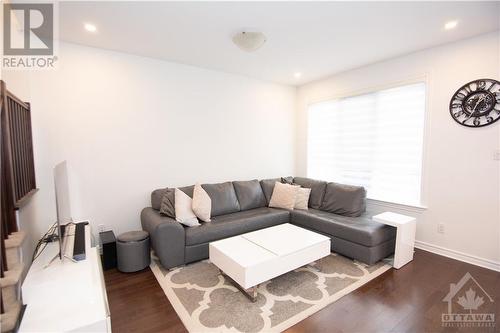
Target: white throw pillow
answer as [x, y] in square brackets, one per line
[302, 198]
[202, 204]
[283, 196]
[183, 212]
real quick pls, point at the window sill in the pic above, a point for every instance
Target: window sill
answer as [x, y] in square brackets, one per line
[386, 204]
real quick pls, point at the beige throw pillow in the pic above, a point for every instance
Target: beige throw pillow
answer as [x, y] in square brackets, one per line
[183, 212]
[283, 196]
[302, 198]
[202, 204]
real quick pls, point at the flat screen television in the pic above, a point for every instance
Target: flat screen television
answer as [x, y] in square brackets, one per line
[63, 206]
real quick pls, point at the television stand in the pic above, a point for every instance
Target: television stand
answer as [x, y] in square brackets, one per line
[66, 296]
[65, 256]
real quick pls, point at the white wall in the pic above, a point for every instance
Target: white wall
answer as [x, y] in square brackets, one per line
[127, 125]
[461, 179]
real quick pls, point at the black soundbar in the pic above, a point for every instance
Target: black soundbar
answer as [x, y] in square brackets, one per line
[79, 244]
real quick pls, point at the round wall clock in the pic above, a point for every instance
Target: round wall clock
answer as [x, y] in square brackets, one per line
[476, 103]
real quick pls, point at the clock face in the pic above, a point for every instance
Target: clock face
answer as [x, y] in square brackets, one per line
[477, 103]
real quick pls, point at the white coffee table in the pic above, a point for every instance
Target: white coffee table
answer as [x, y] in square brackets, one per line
[261, 255]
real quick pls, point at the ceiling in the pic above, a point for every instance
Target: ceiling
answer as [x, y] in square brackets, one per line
[315, 38]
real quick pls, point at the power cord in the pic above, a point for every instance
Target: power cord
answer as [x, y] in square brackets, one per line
[52, 235]
[48, 237]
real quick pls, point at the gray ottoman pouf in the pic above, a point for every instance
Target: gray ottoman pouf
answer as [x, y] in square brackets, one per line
[133, 251]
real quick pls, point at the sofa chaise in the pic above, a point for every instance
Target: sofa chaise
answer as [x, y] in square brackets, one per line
[242, 206]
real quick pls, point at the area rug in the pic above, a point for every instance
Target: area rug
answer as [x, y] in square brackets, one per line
[207, 302]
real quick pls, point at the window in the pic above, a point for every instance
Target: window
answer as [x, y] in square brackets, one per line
[374, 140]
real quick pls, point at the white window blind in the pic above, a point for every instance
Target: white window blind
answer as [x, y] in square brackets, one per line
[374, 140]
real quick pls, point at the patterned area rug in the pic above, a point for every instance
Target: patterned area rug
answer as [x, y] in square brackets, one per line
[206, 302]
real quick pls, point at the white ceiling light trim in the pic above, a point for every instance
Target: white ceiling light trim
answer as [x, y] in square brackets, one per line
[249, 41]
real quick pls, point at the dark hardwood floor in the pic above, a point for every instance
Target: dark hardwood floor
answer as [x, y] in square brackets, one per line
[406, 300]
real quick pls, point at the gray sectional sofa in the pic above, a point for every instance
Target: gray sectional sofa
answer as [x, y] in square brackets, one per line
[238, 207]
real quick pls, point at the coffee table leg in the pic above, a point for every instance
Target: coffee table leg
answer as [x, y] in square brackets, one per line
[251, 293]
[319, 265]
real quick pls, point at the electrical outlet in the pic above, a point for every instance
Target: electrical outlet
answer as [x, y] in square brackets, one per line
[441, 228]
[101, 227]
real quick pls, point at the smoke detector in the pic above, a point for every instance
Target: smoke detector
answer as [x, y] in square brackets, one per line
[249, 41]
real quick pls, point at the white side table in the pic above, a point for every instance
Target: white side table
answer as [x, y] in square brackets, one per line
[405, 235]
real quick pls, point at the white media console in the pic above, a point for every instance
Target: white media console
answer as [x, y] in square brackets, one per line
[66, 296]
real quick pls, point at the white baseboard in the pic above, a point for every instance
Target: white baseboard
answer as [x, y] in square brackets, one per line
[470, 259]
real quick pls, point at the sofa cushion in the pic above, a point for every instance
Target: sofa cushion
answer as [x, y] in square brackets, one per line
[223, 196]
[188, 190]
[183, 209]
[202, 204]
[157, 195]
[284, 196]
[167, 206]
[302, 198]
[287, 180]
[250, 194]
[344, 200]
[268, 187]
[156, 198]
[229, 225]
[360, 230]
[317, 190]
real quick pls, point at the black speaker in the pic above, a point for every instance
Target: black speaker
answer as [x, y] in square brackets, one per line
[108, 242]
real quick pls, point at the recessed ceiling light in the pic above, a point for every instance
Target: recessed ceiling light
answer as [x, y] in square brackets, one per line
[297, 75]
[90, 27]
[451, 25]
